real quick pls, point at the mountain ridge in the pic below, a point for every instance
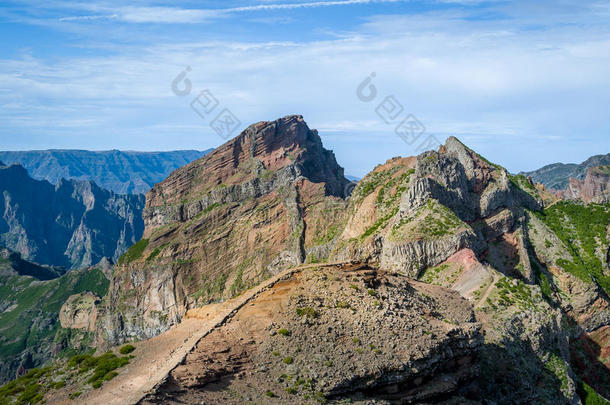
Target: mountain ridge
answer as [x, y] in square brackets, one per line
[124, 172]
[466, 261]
[557, 175]
[223, 224]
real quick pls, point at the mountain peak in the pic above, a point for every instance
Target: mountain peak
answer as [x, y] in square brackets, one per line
[277, 152]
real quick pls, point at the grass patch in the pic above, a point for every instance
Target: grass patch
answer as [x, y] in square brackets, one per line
[309, 312]
[588, 396]
[342, 304]
[126, 349]
[582, 228]
[283, 332]
[134, 252]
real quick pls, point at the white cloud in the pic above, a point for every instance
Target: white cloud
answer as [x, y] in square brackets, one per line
[173, 15]
[490, 81]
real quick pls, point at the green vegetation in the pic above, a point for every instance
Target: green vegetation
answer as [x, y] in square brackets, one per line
[270, 394]
[431, 274]
[521, 182]
[38, 303]
[211, 289]
[515, 292]
[588, 396]
[26, 389]
[134, 252]
[371, 182]
[309, 312]
[342, 304]
[312, 259]
[103, 366]
[81, 368]
[556, 366]
[387, 199]
[582, 228]
[238, 284]
[153, 255]
[332, 232]
[283, 332]
[288, 360]
[126, 349]
[379, 224]
[431, 221]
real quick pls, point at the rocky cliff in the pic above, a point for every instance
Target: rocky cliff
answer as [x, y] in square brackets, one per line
[595, 187]
[123, 172]
[223, 223]
[72, 224]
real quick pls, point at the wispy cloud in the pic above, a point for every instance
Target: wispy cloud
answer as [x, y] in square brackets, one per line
[521, 79]
[172, 15]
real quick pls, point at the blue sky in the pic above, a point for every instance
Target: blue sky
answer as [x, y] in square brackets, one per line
[525, 83]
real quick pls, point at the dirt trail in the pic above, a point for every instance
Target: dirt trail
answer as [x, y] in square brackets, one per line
[488, 291]
[157, 357]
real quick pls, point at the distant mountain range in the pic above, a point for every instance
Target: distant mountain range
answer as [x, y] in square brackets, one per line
[123, 172]
[71, 224]
[557, 175]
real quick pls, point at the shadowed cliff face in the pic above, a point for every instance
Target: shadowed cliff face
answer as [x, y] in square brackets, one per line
[72, 224]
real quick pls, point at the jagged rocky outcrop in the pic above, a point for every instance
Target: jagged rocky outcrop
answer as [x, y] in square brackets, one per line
[425, 208]
[595, 187]
[79, 311]
[72, 224]
[123, 172]
[414, 215]
[225, 222]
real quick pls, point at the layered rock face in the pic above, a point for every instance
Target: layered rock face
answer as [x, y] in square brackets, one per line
[335, 333]
[223, 223]
[72, 224]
